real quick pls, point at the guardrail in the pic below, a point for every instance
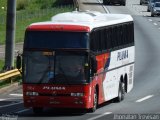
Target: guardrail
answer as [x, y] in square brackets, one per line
[9, 74]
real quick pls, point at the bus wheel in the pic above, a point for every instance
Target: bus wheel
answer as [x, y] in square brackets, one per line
[37, 110]
[124, 4]
[121, 92]
[106, 2]
[95, 101]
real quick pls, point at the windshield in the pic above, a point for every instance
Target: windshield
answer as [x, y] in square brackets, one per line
[54, 67]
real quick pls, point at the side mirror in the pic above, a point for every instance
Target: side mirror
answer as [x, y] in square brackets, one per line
[93, 65]
[19, 62]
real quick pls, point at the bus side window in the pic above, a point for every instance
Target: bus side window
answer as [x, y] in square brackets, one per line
[93, 44]
[114, 38]
[98, 40]
[106, 40]
[132, 29]
[121, 35]
[103, 39]
[119, 32]
[131, 33]
[124, 35]
[110, 38]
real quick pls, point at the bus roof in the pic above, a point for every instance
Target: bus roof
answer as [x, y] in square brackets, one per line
[79, 21]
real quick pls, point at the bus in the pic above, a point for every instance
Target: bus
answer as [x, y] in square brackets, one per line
[108, 2]
[77, 60]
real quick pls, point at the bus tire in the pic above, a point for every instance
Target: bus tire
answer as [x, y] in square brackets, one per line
[121, 92]
[106, 2]
[123, 3]
[152, 15]
[95, 101]
[37, 110]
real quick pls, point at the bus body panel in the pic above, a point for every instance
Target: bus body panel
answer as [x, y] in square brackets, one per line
[121, 62]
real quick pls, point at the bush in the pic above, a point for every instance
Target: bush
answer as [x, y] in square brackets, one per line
[21, 4]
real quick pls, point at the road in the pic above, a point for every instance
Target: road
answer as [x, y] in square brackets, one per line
[145, 96]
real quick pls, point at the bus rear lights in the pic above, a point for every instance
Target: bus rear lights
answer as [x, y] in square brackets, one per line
[32, 93]
[77, 94]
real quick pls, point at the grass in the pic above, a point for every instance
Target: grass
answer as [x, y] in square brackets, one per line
[1, 64]
[24, 23]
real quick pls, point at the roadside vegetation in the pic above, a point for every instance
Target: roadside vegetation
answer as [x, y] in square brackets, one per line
[29, 11]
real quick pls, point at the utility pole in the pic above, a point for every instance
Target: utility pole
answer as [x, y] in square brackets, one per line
[10, 34]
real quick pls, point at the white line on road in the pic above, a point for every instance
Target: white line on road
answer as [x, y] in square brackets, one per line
[21, 111]
[19, 95]
[155, 23]
[2, 99]
[150, 20]
[145, 98]
[96, 117]
[10, 104]
[106, 10]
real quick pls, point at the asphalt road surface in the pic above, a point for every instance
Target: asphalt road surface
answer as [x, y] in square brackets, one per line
[140, 103]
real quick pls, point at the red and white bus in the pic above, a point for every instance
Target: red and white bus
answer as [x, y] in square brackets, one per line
[78, 60]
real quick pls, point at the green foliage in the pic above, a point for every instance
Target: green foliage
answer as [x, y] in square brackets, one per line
[33, 11]
[1, 64]
[22, 4]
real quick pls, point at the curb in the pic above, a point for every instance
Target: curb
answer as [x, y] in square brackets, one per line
[9, 88]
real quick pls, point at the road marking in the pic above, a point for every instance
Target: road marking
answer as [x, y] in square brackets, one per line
[106, 10]
[145, 98]
[96, 117]
[150, 20]
[10, 104]
[2, 99]
[155, 23]
[19, 95]
[159, 28]
[21, 111]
